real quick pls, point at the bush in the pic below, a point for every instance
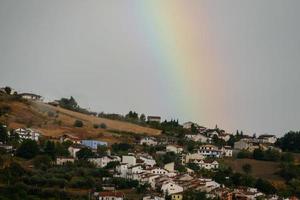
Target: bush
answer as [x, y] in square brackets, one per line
[102, 125]
[28, 149]
[78, 123]
[95, 126]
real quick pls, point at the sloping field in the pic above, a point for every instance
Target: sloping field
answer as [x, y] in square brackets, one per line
[36, 115]
[260, 169]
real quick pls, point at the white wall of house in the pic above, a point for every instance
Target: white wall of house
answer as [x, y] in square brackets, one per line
[130, 160]
[171, 188]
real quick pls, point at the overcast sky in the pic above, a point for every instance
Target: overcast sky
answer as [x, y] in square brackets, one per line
[98, 52]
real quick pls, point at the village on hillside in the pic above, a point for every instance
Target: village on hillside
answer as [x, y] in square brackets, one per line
[186, 161]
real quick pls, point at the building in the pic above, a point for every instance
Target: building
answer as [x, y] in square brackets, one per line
[169, 166]
[174, 148]
[267, 139]
[30, 96]
[192, 156]
[177, 196]
[129, 160]
[227, 151]
[93, 144]
[154, 119]
[64, 160]
[159, 171]
[170, 188]
[224, 136]
[210, 151]
[206, 164]
[109, 195]
[73, 149]
[150, 141]
[188, 125]
[68, 137]
[242, 144]
[198, 138]
[153, 197]
[27, 134]
[103, 161]
[148, 161]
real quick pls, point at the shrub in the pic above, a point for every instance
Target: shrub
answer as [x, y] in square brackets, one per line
[78, 123]
[102, 125]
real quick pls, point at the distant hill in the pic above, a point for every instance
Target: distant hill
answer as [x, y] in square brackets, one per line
[55, 121]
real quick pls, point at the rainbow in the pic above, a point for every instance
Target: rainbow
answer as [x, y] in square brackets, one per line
[182, 47]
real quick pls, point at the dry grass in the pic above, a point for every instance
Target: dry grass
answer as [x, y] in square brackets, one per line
[35, 115]
[260, 169]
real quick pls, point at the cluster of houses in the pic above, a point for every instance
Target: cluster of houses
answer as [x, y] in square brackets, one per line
[251, 143]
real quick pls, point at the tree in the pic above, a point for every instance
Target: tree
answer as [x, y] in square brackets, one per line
[84, 153]
[3, 134]
[247, 168]
[7, 90]
[103, 126]
[78, 123]
[42, 161]
[265, 186]
[28, 149]
[142, 118]
[258, 154]
[50, 149]
[102, 150]
[290, 142]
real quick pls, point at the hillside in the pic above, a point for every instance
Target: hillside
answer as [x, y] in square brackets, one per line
[54, 121]
[260, 169]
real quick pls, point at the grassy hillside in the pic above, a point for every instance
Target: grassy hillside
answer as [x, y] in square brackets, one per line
[260, 169]
[54, 121]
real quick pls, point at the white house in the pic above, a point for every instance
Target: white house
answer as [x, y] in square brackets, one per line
[153, 197]
[267, 139]
[27, 133]
[122, 170]
[210, 151]
[169, 167]
[242, 144]
[188, 125]
[206, 164]
[174, 148]
[64, 160]
[150, 141]
[154, 119]
[69, 137]
[30, 96]
[186, 158]
[73, 149]
[226, 151]
[224, 136]
[110, 195]
[171, 188]
[159, 171]
[198, 138]
[148, 161]
[103, 161]
[130, 160]
[136, 169]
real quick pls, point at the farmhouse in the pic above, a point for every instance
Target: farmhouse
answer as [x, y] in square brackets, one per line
[154, 119]
[174, 148]
[30, 96]
[267, 139]
[27, 134]
[150, 141]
